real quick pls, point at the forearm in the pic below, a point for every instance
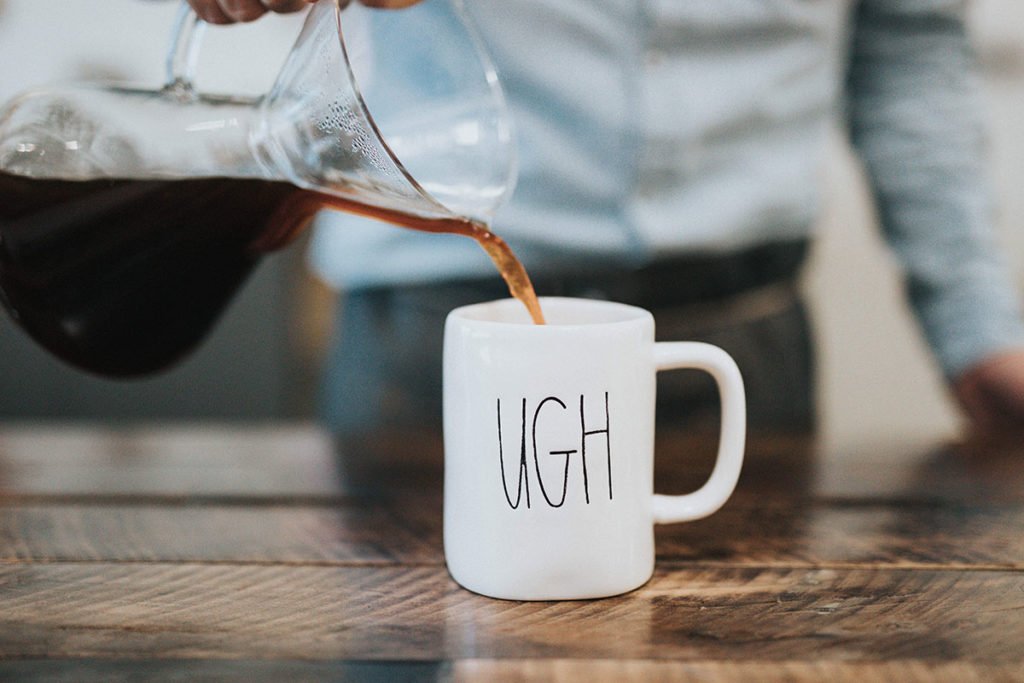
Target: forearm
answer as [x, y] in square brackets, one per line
[915, 119]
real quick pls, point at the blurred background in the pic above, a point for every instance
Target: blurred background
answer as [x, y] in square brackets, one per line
[876, 378]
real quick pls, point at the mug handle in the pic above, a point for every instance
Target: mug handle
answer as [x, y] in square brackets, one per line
[719, 486]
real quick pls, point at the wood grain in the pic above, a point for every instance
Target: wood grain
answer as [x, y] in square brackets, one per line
[417, 613]
[504, 671]
[864, 535]
[300, 462]
[269, 553]
[350, 534]
[983, 472]
[655, 671]
[85, 670]
[193, 460]
[407, 530]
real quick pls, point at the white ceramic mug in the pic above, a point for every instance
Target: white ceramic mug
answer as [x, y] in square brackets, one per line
[549, 447]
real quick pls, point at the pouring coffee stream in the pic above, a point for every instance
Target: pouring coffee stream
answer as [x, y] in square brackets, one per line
[129, 218]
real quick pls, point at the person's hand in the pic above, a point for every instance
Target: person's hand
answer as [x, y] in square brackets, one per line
[232, 11]
[992, 394]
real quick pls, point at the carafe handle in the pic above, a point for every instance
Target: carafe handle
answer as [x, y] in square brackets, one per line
[186, 39]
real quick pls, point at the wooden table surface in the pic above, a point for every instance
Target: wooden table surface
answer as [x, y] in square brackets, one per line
[273, 553]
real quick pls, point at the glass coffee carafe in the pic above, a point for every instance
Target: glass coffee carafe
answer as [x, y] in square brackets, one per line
[130, 217]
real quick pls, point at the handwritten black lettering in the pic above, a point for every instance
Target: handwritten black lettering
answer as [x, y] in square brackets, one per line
[524, 475]
[536, 462]
[608, 443]
[523, 478]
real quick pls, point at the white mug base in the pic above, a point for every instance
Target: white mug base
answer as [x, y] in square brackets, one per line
[539, 589]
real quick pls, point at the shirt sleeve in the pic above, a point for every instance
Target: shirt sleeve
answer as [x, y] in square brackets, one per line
[914, 116]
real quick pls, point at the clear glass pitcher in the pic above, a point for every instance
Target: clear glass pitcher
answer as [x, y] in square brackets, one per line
[129, 217]
[438, 139]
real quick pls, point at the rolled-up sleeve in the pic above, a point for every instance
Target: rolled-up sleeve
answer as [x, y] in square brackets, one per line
[915, 118]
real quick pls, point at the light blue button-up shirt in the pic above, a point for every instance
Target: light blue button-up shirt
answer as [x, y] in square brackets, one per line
[651, 128]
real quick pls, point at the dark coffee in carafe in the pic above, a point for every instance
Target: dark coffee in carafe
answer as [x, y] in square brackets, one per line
[126, 277]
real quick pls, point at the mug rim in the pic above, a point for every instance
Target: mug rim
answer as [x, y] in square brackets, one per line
[509, 312]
